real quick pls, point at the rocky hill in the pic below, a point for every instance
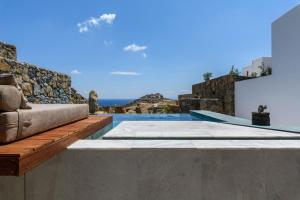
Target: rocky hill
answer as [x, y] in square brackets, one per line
[150, 103]
[149, 98]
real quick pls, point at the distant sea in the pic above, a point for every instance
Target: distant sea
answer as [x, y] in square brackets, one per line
[114, 102]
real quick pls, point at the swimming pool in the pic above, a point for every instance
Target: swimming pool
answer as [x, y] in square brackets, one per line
[118, 118]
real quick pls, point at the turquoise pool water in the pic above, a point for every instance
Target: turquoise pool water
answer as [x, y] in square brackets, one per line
[118, 118]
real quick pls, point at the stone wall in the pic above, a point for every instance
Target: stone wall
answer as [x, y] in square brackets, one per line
[214, 105]
[216, 95]
[76, 97]
[39, 85]
[185, 96]
[221, 88]
[188, 104]
[8, 51]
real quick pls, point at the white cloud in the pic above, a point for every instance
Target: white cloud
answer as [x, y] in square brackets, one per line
[82, 28]
[108, 18]
[107, 43]
[94, 22]
[122, 73]
[134, 48]
[144, 55]
[75, 72]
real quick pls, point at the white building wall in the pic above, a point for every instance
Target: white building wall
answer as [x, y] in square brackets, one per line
[280, 91]
[254, 67]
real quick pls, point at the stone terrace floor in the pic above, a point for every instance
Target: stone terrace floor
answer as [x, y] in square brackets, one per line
[192, 130]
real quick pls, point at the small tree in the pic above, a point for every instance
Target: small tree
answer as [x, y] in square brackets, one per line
[234, 71]
[253, 74]
[207, 76]
[265, 70]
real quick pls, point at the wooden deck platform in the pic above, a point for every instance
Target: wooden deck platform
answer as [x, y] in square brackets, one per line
[21, 156]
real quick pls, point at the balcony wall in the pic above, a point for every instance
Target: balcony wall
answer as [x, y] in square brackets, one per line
[167, 170]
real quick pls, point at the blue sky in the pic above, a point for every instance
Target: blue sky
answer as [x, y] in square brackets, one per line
[128, 48]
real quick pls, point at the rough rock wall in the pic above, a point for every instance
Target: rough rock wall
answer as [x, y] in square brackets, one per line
[214, 105]
[188, 104]
[216, 95]
[8, 51]
[39, 85]
[221, 88]
[77, 98]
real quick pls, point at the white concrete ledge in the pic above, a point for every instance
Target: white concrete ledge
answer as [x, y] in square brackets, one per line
[162, 170]
[191, 130]
[185, 144]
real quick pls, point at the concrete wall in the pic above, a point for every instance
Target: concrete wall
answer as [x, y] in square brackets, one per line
[12, 188]
[280, 91]
[160, 174]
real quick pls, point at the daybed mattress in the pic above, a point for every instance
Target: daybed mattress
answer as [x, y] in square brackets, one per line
[42, 117]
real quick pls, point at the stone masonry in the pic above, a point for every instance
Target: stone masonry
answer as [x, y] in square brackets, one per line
[8, 51]
[39, 85]
[215, 95]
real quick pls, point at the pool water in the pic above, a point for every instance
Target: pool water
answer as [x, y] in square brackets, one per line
[118, 118]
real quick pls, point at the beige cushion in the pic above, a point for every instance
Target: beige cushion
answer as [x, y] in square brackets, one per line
[9, 79]
[42, 117]
[10, 98]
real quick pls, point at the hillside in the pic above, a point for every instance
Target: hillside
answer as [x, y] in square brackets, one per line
[150, 103]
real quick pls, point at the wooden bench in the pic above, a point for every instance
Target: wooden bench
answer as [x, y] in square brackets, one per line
[19, 157]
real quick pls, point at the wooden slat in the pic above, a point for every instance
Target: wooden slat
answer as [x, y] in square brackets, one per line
[21, 156]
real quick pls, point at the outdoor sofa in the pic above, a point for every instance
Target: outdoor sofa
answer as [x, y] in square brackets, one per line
[19, 119]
